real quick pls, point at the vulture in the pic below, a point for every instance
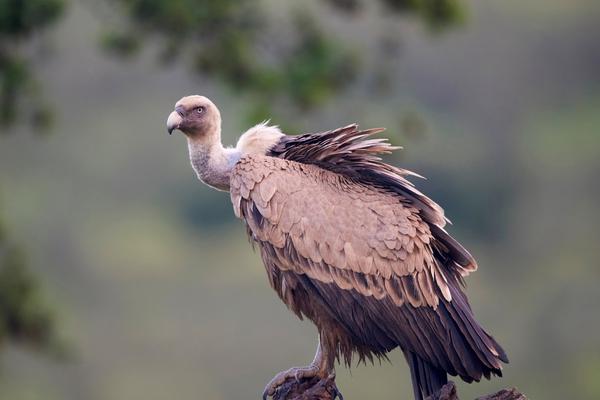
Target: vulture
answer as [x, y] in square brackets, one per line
[349, 243]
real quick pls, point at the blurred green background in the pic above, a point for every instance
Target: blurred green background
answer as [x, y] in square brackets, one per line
[122, 277]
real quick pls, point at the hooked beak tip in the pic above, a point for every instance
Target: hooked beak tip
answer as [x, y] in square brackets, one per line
[173, 122]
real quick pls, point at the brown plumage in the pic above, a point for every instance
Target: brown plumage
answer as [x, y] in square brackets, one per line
[351, 244]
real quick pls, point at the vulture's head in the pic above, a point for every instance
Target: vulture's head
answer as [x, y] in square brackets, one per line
[197, 117]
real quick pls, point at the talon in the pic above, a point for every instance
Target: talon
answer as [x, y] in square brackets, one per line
[321, 366]
[270, 389]
[296, 373]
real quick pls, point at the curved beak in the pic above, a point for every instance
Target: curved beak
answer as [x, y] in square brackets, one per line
[173, 122]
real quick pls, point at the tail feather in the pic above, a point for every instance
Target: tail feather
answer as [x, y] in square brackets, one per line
[426, 378]
[489, 349]
[467, 350]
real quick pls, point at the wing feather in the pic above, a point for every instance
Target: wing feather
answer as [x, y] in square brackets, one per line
[350, 152]
[359, 237]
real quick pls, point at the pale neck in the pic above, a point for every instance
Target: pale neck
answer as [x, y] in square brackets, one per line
[212, 162]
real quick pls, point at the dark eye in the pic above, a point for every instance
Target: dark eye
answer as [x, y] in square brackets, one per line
[200, 110]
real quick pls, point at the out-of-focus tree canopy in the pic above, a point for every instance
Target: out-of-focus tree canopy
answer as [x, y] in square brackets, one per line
[20, 21]
[232, 40]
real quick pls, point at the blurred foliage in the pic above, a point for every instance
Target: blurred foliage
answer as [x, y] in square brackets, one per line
[436, 14]
[20, 96]
[24, 316]
[232, 40]
[224, 39]
[20, 18]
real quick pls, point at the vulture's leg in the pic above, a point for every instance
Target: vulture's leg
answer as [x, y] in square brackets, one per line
[321, 366]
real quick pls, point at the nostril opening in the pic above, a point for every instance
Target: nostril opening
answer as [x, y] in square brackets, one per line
[179, 111]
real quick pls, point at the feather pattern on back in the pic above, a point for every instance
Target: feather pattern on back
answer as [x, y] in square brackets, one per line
[351, 152]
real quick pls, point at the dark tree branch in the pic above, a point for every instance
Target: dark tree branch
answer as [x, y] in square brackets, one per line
[325, 389]
[505, 394]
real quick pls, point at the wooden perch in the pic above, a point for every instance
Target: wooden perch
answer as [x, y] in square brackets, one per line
[448, 392]
[325, 389]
